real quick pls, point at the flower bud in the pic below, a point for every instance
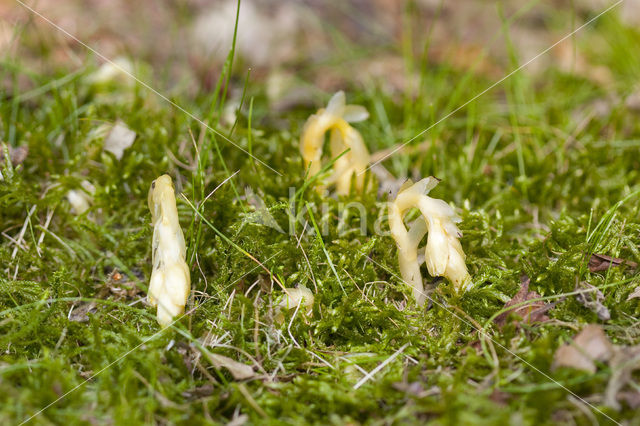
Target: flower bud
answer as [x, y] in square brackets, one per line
[170, 281]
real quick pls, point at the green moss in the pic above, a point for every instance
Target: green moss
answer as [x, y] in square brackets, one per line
[535, 198]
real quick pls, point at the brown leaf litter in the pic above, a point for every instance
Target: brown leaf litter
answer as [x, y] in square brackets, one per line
[635, 294]
[592, 299]
[238, 370]
[592, 346]
[601, 262]
[17, 154]
[529, 313]
[589, 346]
[116, 285]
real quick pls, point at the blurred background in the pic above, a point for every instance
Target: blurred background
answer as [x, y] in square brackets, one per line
[297, 47]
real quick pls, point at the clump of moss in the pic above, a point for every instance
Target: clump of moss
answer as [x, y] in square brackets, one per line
[535, 198]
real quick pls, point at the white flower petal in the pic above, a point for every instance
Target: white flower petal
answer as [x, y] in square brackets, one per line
[336, 104]
[457, 270]
[416, 231]
[425, 185]
[436, 254]
[355, 113]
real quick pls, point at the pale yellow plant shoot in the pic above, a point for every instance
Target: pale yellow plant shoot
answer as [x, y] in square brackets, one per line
[336, 118]
[443, 252]
[300, 298]
[170, 281]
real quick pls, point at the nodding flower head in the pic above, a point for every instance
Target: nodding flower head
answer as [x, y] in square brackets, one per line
[443, 253]
[336, 118]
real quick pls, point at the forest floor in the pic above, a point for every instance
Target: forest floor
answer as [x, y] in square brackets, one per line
[537, 148]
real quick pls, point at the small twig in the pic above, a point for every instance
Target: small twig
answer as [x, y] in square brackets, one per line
[360, 369]
[306, 258]
[484, 336]
[13, 240]
[321, 359]
[370, 375]
[47, 222]
[359, 289]
[23, 230]
[203, 370]
[256, 329]
[218, 187]
[164, 401]
[243, 390]
[293, 317]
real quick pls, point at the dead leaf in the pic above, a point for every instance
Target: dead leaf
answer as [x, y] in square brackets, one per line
[285, 92]
[499, 397]
[412, 388]
[624, 361]
[17, 154]
[635, 294]
[416, 389]
[631, 398]
[570, 60]
[601, 262]
[633, 101]
[121, 287]
[80, 313]
[198, 392]
[87, 375]
[592, 300]
[389, 184]
[529, 313]
[6, 36]
[269, 35]
[119, 138]
[238, 370]
[590, 345]
[238, 420]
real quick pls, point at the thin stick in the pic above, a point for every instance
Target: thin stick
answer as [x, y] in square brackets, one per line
[373, 372]
[20, 236]
[45, 227]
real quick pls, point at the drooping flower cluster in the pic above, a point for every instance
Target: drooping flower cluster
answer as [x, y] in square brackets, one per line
[335, 118]
[170, 281]
[443, 253]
